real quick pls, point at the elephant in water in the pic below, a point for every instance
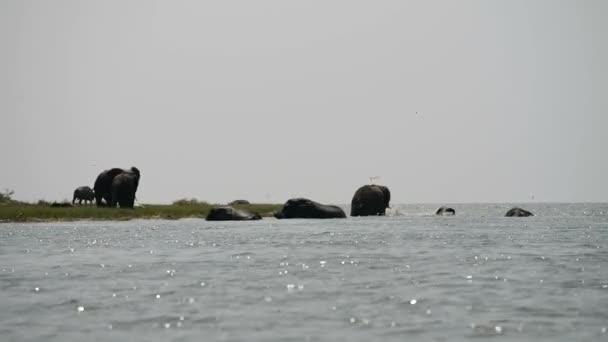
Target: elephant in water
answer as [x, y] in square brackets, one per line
[123, 192]
[370, 200]
[305, 208]
[445, 211]
[226, 213]
[518, 212]
[83, 193]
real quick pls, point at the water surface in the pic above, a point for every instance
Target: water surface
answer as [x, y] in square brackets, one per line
[415, 276]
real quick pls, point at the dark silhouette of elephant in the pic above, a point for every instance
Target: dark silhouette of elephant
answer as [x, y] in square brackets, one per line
[83, 193]
[239, 202]
[124, 187]
[103, 186]
[109, 190]
[227, 213]
[518, 212]
[445, 211]
[370, 200]
[305, 208]
[61, 205]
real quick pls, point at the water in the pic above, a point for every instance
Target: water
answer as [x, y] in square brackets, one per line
[476, 276]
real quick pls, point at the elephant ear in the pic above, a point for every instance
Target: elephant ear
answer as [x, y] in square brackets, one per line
[387, 195]
[136, 171]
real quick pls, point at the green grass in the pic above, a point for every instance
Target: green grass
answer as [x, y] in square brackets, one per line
[22, 212]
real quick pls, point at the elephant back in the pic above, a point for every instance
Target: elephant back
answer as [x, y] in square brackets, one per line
[370, 200]
[105, 178]
[446, 211]
[518, 212]
[227, 213]
[308, 209]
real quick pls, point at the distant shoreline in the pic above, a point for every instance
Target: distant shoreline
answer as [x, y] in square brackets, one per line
[21, 212]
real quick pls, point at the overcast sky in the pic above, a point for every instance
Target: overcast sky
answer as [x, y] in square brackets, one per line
[446, 101]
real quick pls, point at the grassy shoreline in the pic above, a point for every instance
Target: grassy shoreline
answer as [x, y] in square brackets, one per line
[42, 213]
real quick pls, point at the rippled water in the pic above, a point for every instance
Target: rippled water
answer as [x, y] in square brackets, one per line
[474, 276]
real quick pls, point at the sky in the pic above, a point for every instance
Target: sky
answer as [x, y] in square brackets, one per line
[444, 101]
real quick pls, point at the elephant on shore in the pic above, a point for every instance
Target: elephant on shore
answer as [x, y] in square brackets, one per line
[83, 193]
[305, 208]
[445, 211]
[61, 205]
[109, 193]
[227, 213]
[124, 187]
[518, 212]
[239, 202]
[370, 200]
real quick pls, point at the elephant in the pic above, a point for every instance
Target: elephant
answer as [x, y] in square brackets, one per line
[83, 193]
[124, 187]
[227, 213]
[370, 200]
[239, 202]
[518, 212]
[103, 185]
[305, 208]
[445, 211]
[61, 205]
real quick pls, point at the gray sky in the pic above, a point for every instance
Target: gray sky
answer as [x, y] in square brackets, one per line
[267, 100]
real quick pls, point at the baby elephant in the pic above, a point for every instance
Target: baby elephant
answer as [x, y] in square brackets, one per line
[83, 193]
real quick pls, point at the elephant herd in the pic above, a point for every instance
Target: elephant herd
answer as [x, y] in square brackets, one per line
[368, 200]
[112, 187]
[118, 186]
